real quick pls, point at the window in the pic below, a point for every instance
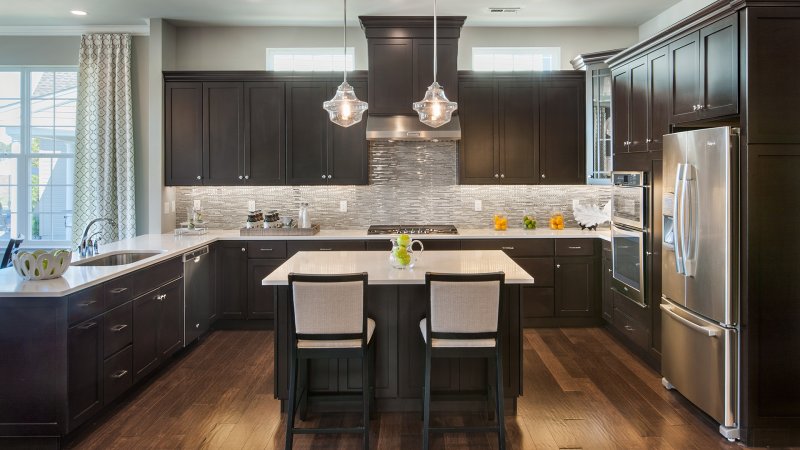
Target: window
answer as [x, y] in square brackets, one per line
[37, 153]
[515, 59]
[310, 59]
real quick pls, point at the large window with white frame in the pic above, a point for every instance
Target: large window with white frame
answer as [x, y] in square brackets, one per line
[515, 59]
[37, 153]
[310, 59]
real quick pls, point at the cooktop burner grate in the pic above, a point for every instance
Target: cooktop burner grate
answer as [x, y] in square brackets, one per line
[412, 229]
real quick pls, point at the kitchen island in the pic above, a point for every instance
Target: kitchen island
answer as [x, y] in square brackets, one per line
[397, 302]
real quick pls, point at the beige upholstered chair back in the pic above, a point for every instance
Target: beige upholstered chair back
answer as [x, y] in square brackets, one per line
[464, 307]
[328, 308]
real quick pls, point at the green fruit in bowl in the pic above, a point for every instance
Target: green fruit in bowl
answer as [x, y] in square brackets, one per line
[403, 240]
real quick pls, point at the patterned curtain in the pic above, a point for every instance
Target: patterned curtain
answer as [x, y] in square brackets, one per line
[104, 178]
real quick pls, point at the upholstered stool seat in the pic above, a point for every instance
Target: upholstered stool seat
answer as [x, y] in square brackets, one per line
[338, 343]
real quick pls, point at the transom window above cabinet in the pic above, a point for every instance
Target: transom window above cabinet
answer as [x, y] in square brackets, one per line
[310, 59]
[515, 59]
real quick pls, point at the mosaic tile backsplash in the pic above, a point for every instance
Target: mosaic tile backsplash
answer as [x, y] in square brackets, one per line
[410, 183]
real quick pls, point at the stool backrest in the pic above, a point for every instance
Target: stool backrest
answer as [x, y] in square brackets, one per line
[464, 306]
[329, 307]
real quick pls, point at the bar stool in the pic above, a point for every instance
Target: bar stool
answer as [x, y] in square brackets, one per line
[330, 321]
[464, 313]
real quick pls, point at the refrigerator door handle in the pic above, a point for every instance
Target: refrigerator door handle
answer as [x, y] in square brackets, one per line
[707, 331]
[679, 212]
[689, 220]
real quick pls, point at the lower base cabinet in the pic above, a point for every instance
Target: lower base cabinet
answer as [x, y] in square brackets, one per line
[158, 327]
[117, 375]
[85, 363]
[260, 298]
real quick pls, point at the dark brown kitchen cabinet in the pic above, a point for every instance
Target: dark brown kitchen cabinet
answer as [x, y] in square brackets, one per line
[658, 117]
[637, 137]
[146, 310]
[621, 108]
[320, 152]
[85, 365]
[562, 151]
[518, 125]
[223, 128]
[576, 286]
[264, 157]
[705, 72]
[606, 274]
[232, 279]
[391, 77]
[261, 299]
[183, 133]
[447, 70]
[170, 319]
[477, 157]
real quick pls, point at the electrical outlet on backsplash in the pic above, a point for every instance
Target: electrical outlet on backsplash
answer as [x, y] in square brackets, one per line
[409, 183]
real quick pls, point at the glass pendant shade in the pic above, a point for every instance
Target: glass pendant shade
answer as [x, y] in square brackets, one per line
[345, 109]
[435, 109]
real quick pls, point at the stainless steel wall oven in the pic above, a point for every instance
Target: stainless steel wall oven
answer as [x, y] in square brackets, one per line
[629, 227]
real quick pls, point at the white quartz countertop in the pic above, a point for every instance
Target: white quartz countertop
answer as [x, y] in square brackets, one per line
[377, 266]
[170, 246]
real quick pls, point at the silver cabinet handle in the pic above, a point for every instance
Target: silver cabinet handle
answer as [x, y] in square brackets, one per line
[87, 326]
[161, 297]
[648, 141]
[502, 175]
[630, 328]
[119, 374]
[118, 328]
[558, 266]
[648, 253]
[247, 177]
[572, 247]
[265, 249]
[330, 176]
[240, 177]
[542, 175]
[244, 249]
[325, 249]
[694, 107]
[609, 270]
[497, 175]
[198, 177]
[507, 248]
[118, 290]
[88, 303]
[323, 176]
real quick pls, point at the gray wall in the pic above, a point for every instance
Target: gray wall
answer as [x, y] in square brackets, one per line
[39, 50]
[672, 15]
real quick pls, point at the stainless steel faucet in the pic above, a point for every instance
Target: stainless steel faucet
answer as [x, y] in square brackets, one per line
[86, 248]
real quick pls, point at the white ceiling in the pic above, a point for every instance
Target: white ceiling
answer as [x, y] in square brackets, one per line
[325, 12]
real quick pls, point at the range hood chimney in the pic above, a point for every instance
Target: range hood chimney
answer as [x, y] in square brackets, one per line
[400, 71]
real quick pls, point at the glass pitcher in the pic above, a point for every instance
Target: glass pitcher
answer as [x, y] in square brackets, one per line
[402, 255]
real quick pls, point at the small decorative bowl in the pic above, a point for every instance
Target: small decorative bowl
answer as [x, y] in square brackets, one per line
[42, 264]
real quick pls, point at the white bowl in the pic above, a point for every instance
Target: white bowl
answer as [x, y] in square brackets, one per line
[42, 265]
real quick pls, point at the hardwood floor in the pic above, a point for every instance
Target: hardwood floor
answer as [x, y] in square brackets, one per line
[582, 390]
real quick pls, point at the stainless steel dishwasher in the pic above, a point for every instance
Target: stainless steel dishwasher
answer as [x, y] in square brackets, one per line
[198, 293]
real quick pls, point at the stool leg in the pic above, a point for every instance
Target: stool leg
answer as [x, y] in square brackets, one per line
[501, 423]
[426, 403]
[292, 400]
[365, 394]
[490, 373]
[303, 387]
[373, 406]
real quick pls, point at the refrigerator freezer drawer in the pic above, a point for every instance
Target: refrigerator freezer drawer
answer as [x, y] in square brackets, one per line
[699, 358]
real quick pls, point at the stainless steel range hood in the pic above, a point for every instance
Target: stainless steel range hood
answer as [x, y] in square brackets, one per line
[409, 128]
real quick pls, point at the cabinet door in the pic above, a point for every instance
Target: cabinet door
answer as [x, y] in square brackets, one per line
[638, 106]
[183, 133]
[658, 98]
[719, 68]
[223, 127]
[537, 302]
[261, 299]
[685, 78]
[621, 108]
[170, 319]
[232, 280]
[575, 287]
[478, 159]
[562, 154]
[146, 310]
[518, 103]
[606, 293]
[347, 147]
[264, 161]
[391, 79]
[447, 67]
[306, 136]
[85, 364]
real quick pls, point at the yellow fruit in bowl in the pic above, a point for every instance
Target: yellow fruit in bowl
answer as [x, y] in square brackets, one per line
[403, 240]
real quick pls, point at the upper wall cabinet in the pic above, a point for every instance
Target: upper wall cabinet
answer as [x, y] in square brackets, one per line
[183, 133]
[522, 129]
[705, 72]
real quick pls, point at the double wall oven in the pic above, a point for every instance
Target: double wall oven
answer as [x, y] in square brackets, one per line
[629, 227]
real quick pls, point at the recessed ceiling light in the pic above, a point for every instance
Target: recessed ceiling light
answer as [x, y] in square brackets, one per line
[78, 12]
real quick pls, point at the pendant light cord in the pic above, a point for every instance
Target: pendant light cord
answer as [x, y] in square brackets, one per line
[344, 42]
[434, 42]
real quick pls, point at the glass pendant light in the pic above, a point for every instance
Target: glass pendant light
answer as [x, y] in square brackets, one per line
[435, 109]
[345, 109]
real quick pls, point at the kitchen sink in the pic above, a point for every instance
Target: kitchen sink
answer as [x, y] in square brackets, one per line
[119, 258]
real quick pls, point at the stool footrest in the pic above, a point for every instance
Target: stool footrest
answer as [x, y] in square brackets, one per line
[494, 429]
[327, 430]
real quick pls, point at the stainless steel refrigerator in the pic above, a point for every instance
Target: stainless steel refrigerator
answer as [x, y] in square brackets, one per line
[699, 302]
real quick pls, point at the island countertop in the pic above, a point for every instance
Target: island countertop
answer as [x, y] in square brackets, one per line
[376, 264]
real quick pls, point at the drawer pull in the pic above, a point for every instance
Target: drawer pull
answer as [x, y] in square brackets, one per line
[119, 374]
[572, 247]
[325, 249]
[630, 328]
[160, 297]
[89, 303]
[87, 326]
[265, 249]
[118, 290]
[507, 248]
[118, 328]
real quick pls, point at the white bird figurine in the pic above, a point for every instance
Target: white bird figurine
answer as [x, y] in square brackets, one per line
[591, 216]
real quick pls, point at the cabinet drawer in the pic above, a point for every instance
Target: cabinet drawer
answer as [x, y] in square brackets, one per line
[266, 249]
[118, 329]
[117, 375]
[85, 304]
[541, 269]
[633, 330]
[430, 244]
[322, 246]
[512, 247]
[118, 291]
[574, 247]
[631, 308]
[538, 302]
[146, 280]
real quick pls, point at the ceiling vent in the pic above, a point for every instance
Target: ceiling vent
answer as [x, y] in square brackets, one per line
[510, 10]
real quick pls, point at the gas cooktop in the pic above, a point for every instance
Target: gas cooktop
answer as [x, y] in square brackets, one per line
[412, 229]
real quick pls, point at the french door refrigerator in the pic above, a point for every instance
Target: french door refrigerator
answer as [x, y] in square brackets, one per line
[699, 302]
